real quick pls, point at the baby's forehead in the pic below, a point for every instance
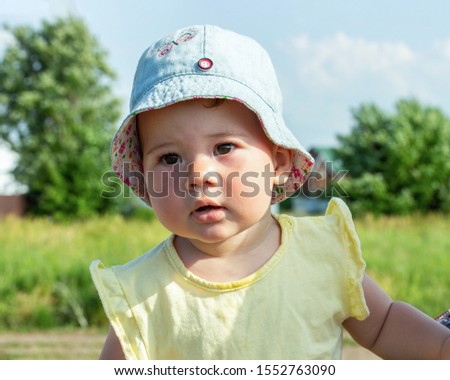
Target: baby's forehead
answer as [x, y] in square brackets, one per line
[196, 103]
[200, 118]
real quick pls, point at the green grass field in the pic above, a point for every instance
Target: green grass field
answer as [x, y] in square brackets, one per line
[409, 258]
[45, 280]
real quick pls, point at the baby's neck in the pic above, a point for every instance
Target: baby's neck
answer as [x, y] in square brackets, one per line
[233, 259]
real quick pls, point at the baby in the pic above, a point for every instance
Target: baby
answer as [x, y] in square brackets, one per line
[205, 145]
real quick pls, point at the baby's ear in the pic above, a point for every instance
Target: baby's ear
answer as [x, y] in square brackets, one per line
[283, 164]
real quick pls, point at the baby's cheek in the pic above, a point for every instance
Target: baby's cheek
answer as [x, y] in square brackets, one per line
[158, 184]
[246, 184]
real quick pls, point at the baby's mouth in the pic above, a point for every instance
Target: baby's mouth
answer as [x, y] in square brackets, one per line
[208, 208]
[208, 213]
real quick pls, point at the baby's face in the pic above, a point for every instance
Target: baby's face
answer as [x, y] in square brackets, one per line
[209, 170]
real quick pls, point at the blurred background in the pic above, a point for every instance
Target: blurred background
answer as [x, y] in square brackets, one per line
[366, 89]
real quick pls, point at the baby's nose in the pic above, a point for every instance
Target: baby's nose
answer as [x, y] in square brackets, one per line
[203, 171]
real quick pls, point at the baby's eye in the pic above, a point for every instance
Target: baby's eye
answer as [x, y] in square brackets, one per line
[223, 149]
[170, 159]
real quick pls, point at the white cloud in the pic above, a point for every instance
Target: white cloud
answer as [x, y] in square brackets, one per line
[339, 58]
[340, 72]
[372, 69]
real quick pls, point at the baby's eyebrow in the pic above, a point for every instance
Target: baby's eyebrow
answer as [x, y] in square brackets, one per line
[225, 135]
[163, 145]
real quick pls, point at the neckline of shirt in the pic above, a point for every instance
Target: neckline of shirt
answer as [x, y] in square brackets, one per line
[285, 224]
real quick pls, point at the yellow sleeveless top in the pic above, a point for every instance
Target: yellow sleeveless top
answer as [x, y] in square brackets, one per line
[291, 308]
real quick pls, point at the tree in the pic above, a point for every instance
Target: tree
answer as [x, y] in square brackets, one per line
[398, 163]
[58, 113]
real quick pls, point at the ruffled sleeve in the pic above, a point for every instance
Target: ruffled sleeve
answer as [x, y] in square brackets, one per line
[118, 311]
[355, 264]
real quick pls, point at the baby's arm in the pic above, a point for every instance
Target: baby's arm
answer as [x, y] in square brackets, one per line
[396, 330]
[112, 350]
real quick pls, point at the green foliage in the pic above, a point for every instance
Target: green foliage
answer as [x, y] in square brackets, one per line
[58, 114]
[398, 163]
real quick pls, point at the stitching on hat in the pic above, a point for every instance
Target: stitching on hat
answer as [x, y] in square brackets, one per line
[185, 36]
[204, 40]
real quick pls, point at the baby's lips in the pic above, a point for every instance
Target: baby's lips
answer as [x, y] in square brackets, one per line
[204, 204]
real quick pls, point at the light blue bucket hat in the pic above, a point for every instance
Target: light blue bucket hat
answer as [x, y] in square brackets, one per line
[205, 61]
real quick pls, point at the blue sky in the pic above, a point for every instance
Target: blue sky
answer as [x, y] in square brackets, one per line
[330, 56]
